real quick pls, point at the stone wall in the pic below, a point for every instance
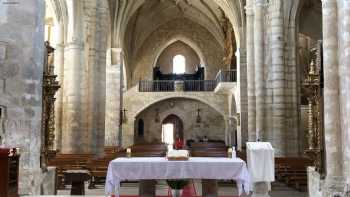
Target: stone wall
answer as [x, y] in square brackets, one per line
[165, 60]
[212, 123]
[135, 102]
[21, 68]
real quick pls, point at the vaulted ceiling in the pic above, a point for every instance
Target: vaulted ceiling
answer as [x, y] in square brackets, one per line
[155, 13]
[139, 18]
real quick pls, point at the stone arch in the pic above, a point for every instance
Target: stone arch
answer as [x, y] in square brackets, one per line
[182, 96]
[129, 127]
[185, 40]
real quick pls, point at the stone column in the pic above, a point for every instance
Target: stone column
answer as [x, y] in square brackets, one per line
[259, 7]
[59, 69]
[331, 88]
[261, 189]
[344, 82]
[251, 72]
[278, 76]
[113, 96]
[242, 109]
[72, 130]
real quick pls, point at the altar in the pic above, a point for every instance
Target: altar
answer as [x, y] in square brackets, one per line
[160, 168]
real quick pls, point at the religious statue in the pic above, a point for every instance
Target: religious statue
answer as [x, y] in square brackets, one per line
[229, 38]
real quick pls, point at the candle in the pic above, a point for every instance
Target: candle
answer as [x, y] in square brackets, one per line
[229, 152]
[128, 152]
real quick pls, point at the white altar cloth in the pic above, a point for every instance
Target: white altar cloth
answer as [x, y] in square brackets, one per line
[141, 168]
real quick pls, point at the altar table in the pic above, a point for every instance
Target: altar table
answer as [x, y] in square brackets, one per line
[159, 168]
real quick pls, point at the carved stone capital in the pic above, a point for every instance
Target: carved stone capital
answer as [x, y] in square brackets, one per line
[260, 3]
[276, 4]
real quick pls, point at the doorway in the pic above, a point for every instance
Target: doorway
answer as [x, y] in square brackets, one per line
[172, 128]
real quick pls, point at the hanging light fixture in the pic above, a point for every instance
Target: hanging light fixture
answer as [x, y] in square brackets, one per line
[123, 118]
[157, 118]
[198, 118]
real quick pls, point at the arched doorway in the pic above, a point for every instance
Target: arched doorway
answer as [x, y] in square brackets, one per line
[172, 128]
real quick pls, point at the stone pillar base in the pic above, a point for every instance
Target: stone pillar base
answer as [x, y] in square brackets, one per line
[261, 189]
[314, 182]
[49, 183]
[334, 187]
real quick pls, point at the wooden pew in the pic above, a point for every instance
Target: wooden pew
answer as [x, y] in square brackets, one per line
[206, 153]
[64, 162]
[292, 171]
[98, 166]
[148, 148]
[208, 145]
[148, 187]
[209, 149]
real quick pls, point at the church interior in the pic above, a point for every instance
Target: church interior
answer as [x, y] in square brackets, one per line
[101, 94]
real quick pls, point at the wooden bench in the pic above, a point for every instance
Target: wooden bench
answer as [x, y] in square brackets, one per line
[148, 187]
[292, 171]
[98, 166]
[209, 149]
[148, 148]
[65, 162]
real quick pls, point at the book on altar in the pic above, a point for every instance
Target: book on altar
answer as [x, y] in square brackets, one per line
[178, 154]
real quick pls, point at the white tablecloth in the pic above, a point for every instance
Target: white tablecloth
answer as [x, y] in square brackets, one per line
[261, 161]
[138, 168]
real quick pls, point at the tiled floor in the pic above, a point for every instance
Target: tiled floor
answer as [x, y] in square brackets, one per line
[278, 190]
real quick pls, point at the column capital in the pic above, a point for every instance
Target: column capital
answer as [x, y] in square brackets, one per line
[116, 50]
[329, 1]
[260, 3]
[74, 45]
[275, 4]
[249, 10]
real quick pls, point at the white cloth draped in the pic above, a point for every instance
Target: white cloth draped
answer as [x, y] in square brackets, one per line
[141, 168]
[261, 162]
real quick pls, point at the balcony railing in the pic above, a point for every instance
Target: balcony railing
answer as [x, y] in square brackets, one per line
[169, 86]
[226, 76]
[156, 86]
[187, 85]
[199, 85]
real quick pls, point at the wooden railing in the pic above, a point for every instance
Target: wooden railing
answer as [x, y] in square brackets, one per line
[199, 85]
[226, 76]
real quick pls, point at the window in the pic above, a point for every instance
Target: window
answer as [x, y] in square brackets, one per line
[179, 64]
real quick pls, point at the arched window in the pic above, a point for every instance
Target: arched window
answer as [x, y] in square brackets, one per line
[179, 64]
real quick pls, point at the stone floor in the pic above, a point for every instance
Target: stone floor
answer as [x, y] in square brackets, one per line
[278, 190]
